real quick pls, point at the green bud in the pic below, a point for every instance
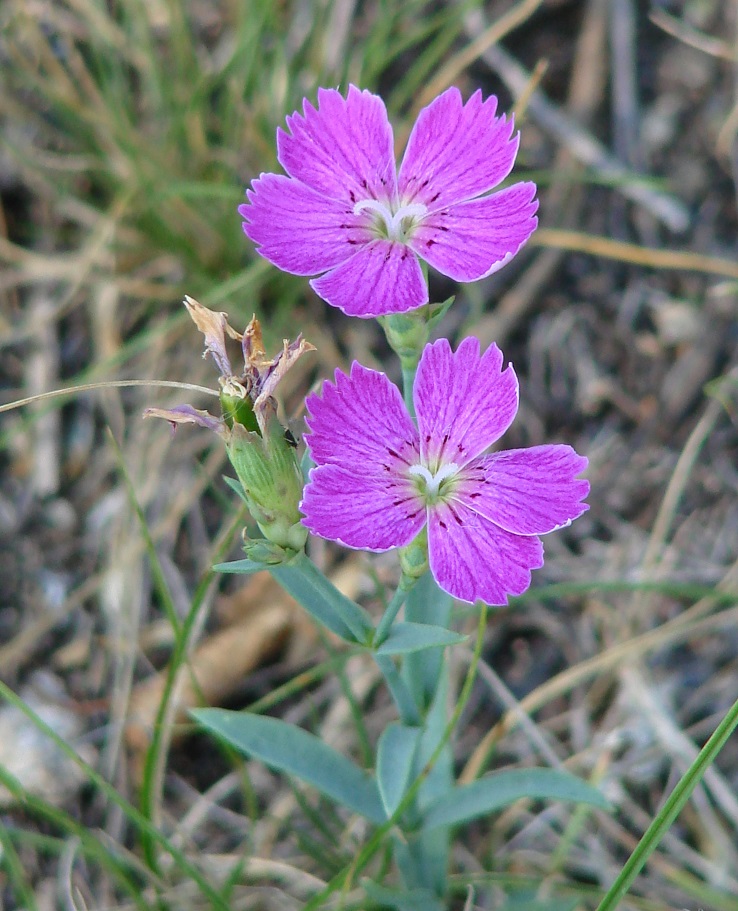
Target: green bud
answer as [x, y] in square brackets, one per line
[407, 335]
[272, 481]
[262, 551]
[414, 559]
[238, 410]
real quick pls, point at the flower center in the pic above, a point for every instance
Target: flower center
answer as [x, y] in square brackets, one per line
[395, 225]
[431, 485]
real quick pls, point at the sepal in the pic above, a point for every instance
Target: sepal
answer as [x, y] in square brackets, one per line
[266, 553]
[272, 482]
[414, 559]
[408, 333]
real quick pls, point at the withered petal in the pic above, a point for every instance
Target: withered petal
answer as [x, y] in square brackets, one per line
[214, 327]
[186, 414]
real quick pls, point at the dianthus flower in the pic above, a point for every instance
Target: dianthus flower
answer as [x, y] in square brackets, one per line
[344, 212]
[379, 478]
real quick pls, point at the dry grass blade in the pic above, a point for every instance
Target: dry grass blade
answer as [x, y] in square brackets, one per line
[632, 253]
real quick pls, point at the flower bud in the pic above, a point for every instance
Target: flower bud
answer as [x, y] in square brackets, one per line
[408, 333]
[261, 450]
[237, 407]
[272, 482]
[414, 558]
[260, 551]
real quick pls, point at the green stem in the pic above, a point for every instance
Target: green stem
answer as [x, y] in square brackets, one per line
[320, 597]
[391, 612]
[671, 809]
[408, 381]
[344, 878]
[401, 694]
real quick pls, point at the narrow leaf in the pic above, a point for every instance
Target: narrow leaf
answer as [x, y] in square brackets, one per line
[241, 567]
[320, 598]
[405, 638]
[236, 487]
[395, 753]
[502, 788]
[296, 752]
[528, 900]
[426, 603]
[670, 810]
[438, 311]
[306, 463]
[404, 899]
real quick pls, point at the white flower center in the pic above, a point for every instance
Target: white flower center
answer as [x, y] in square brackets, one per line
[432, 482]
[396, 225]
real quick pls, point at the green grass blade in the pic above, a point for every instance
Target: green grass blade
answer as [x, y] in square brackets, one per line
[671, 809]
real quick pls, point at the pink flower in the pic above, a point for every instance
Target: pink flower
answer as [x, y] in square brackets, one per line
[379, 479]
[344, 213]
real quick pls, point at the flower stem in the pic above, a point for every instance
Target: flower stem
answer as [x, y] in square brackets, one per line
[408, 380]
[400, 691]
[388, 617]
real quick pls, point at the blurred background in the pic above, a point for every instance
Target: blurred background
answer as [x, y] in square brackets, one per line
[128, 133]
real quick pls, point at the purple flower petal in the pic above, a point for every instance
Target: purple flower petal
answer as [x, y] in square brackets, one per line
[297, 229]
[526, 491]
[343, 149]
[382, 277]
[456, 151]
[363, 441]
[476, 560]
[359, 509]
[464, 403]
[361, 422]
[473, 239]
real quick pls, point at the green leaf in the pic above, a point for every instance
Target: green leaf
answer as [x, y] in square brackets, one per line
[404, 899]
[502, 788]
[320, 598]
[395, 752]
[306, 463]
[296, 752]
[424, 858]
[236, 487]
[241, 567]
[438, 779]
[426, 603]
[438, 311]
[405, 638]
[529, 900]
